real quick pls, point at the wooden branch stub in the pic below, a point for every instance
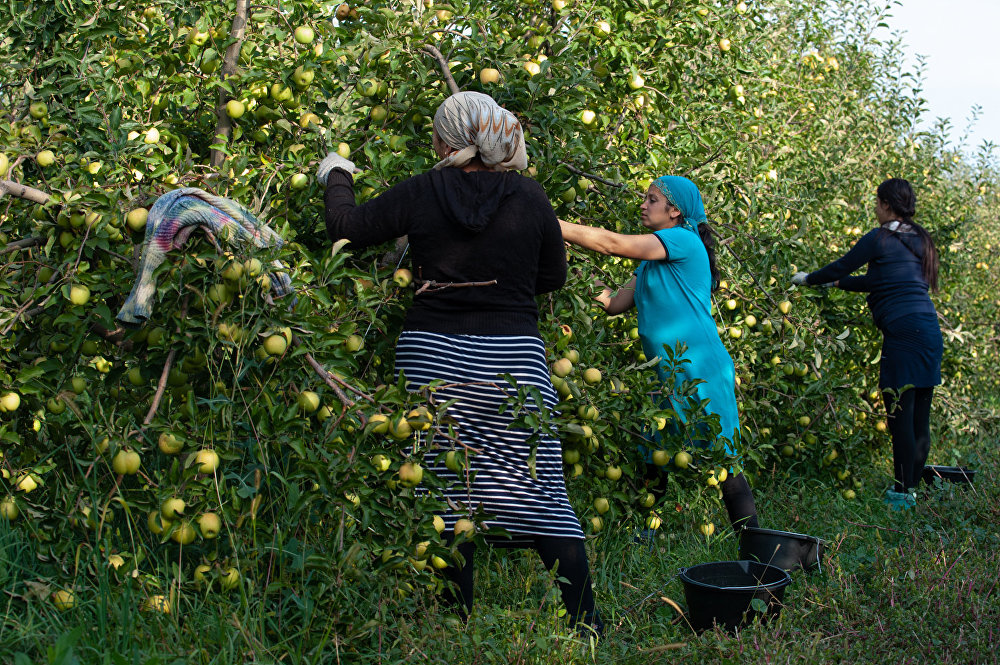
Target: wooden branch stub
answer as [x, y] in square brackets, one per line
[23, 191]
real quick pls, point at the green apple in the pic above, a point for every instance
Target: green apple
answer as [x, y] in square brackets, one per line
[210, 525]
[126, 462]
[402, 277]
[724, 45]
[4, 165]
[9, 509]
[410, 474]
[613, 472]
[10, 401]
[45, 158]
[169, 444]
[172, 508]
[602, 29]
[299, 181]
[379, 113]
[308, 401]
[207, 460]
[304, 34]
[636, 82]
[235, 109]
[275, 345]
[489, 75]
[344, 150]
[303, 76]
[464, 526]
[152, 136]
[682, 459]
[79, 294]
[562, 367]
[601, 505]
[592, 376]
[184, 534]
[353, 343]
[229, 579]
[38, 110]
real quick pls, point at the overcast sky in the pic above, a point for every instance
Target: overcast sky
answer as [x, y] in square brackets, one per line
[961, 42]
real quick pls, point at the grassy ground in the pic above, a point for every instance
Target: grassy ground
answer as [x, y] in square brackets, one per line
[921, 586]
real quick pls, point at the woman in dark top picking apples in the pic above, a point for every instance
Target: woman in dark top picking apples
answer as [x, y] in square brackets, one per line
[902, 267]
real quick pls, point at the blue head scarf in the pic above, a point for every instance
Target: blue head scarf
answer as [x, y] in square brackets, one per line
[683, 195]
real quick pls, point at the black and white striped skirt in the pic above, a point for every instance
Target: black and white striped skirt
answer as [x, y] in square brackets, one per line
[472, 368]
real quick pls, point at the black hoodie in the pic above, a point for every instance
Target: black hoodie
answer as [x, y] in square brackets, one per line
[463, 227]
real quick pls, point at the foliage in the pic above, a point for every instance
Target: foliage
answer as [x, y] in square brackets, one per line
[787, 131]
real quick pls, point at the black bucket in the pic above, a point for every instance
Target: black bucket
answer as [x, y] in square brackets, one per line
[784, 549]
[723, 593]
[953, 474]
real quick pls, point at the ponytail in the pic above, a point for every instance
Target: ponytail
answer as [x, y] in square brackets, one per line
[707, 236]
[929, 261]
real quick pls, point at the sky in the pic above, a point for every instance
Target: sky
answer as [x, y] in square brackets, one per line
[960, 41]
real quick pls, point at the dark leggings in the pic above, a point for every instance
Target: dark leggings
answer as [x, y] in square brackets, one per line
[736, 495]
[910, 426]
[568, 553]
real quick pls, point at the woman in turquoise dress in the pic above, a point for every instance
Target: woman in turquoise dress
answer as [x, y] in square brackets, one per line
[671, 290]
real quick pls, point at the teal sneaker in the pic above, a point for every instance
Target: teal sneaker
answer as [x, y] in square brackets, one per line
[900, 500]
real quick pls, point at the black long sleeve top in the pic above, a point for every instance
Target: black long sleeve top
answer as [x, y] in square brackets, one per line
[895, 279]
[463, 227]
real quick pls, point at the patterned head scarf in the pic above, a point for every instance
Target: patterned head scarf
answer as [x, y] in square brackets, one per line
[473, 124]
[683, 195]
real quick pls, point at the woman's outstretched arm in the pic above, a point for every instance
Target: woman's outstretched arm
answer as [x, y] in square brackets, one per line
[645, 247]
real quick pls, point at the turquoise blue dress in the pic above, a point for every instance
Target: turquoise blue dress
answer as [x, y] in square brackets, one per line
[673, 299]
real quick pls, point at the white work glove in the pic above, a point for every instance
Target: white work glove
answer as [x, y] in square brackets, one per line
[799, 278]
[330, 162]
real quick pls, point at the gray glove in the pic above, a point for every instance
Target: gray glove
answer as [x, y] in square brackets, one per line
[799, 278]
[330, 162]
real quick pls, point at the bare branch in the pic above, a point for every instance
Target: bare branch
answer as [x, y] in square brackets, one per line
[23, 243]
[578, 171]
[229, 63]
[445, 70]
[23, 191]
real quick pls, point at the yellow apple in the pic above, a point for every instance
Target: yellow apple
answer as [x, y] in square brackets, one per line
[562, 367]
[210, 525]
[63, 599]
[489, 75]
[10, 401]
[207, 460]
[410, 474]
[304, 34]
[45, 158]
[601, 505]
[172, 508]
[126, 462]
[184, 534]
[465, 526]
[308, 401]
[275, 345]
[136, 219]
[592, 376]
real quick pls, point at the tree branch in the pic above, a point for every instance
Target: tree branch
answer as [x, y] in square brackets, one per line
[229, 63]
[23, 191]
[445, 70]
[22, 244]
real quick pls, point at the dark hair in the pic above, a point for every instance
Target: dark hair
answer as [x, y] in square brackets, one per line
[899, 196]
[707, 236]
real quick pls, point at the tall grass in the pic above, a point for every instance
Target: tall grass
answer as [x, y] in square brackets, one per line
[904, 587]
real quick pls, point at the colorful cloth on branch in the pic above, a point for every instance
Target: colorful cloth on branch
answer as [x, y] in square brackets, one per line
[172, 219]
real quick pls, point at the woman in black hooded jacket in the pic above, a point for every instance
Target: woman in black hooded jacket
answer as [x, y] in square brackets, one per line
[472, 220]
